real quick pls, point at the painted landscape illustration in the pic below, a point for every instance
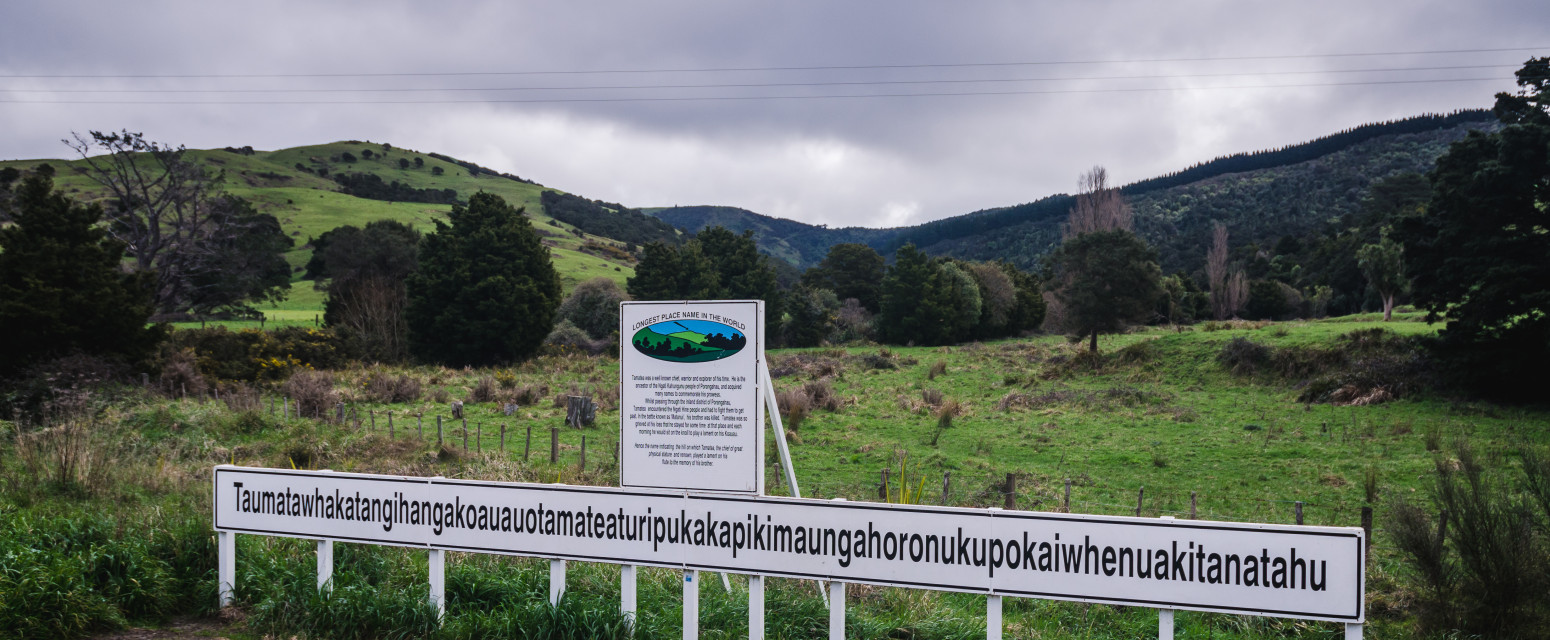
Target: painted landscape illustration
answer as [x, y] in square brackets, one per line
[689, 341]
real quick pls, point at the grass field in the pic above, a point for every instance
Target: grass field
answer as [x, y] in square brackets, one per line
[1158, 412]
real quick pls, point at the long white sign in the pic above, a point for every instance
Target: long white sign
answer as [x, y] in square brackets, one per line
[1277, 570]
[690, 416]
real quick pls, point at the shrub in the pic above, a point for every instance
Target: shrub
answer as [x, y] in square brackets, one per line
[1243, 356]
[484, 391]
[1483, 561]
[937, 368]
[255, 355]
[820, 394]
[313, 392]
[390, 389]
[593, 307]
[567, 339]
[794, 407]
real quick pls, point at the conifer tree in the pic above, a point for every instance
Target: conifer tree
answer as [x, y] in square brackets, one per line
[485, 291]
[62, 289]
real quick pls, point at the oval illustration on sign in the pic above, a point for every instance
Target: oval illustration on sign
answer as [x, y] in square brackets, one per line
[688, 341]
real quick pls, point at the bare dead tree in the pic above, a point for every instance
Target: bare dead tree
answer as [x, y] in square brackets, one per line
[208, 249]
[1237, 292]
[372, 307]
[156, 205]
[1099, 207]
[1216, 272]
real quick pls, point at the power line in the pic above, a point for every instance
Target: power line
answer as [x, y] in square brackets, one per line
[787, 68]
[749, 98]
[774, 84]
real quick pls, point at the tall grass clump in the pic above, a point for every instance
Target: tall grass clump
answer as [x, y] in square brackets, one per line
[390, 389]
[794, 407]
[313, 392]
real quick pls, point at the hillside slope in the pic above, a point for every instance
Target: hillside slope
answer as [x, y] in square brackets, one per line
[296, 186]
[1260, 196]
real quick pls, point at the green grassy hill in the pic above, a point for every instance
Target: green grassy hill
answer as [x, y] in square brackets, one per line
[307, 204]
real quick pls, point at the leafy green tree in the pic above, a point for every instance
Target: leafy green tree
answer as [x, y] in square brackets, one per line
[666, 272]
[403, 163]
[419, 162]
[900, 320]
[813, 312]
[951, 305]
[850, 270]
[1105, 279]
[742, 273]
[61, 288]
[1383, 264]
[243, 261]
[436, 171]
[715, 265]
[8, 176]
[485, 291]
[1266, 301]
[1028, 313]
[1481, 254]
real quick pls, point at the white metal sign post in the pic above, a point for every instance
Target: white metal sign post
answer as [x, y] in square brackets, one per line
[1272, 570]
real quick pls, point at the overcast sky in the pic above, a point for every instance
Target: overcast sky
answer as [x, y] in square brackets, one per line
[1145, 88]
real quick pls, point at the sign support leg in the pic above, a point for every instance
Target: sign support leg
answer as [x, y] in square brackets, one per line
[226, 565]
[438, 579]
[993, 617]
[556, 582]
[325, 565]
[1164, 624]
[627, 591]
[691, 604]
[755, 607]
[773, 407]
[836, 611]
[1353, 631]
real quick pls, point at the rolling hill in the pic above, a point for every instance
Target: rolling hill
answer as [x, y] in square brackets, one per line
[297, 186]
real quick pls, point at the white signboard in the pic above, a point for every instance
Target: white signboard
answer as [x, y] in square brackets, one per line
[689, 409]
[1278, 570]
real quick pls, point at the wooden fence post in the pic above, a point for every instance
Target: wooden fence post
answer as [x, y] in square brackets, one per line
[1011, 491]
[478, 437]
[390, 423]
[1140, 495]
[1367, 525]
[947, 478]
[1068, 495]
[554, 445]
[503, 437]
[419, 421]
[1298, 507]
[1192, 506]
[528, 445]
[583, 466]
[373, 415]
[882, 486]
[438, 431]
[465, 435]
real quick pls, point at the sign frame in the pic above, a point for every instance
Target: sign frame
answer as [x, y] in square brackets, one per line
[980, 523]
[752, 441]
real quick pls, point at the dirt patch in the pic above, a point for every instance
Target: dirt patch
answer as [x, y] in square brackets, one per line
[185, 629]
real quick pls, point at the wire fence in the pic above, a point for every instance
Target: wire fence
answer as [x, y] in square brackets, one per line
[593, 453]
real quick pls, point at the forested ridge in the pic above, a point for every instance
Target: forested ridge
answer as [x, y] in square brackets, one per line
[1261, 196]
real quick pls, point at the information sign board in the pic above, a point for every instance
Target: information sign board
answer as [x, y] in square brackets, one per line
[689, 404]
